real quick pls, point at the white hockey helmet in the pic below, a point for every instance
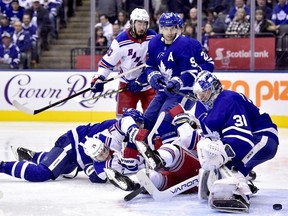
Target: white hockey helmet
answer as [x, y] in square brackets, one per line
[96, 149]
[140, 15]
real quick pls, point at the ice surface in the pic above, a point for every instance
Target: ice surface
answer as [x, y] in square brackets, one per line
[80, 197]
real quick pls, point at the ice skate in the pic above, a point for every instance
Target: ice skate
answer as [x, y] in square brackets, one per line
[151, 157]
[121, 181]
[21, 153]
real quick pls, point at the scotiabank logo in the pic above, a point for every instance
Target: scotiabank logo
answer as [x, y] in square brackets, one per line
[222, 54]
[264, 90]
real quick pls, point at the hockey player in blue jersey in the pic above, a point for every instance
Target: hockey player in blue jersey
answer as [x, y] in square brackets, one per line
[88, 147]
[237, 137]
[172, 65]
[204, 61]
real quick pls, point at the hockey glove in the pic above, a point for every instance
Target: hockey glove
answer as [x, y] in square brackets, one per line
[173, 86]
[135, 134]
[176, 110]
[213, 154]
[156, 80]
[134, 86]
[97, 84]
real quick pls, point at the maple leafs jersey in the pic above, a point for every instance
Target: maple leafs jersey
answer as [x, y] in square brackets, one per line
[238, 122]
[129, 51]
[179, 58]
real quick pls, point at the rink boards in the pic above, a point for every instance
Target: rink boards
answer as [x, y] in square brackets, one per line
[37, 89]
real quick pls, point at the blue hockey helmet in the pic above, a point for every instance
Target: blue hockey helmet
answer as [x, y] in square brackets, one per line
[180, 20]
[135, 114]
[168, 20]
[207, 87]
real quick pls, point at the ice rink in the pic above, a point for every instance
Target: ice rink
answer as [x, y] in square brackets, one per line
[78, 196]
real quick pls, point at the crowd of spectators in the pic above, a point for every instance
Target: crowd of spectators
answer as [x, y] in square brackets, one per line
[231, 18]
[27, 28]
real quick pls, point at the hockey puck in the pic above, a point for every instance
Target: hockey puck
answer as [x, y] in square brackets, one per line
[277, 206]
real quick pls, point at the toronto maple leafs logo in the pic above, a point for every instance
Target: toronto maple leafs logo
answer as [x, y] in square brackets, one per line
[167, 73]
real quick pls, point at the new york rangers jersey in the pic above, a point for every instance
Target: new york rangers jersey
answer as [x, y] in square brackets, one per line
[130, 52]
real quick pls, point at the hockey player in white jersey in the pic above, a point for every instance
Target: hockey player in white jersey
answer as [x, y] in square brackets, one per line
[238, 137]
[130, 49]
[173, 162]
[88, 148]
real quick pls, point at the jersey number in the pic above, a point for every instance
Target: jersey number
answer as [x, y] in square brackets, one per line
[193, 62]
[240, 120]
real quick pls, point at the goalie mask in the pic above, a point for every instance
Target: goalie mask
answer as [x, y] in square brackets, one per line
[207, 87]
[96, 149]
[142, 16]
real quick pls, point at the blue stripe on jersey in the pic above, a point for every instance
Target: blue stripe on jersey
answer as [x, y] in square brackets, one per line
[170, 151]
[105, 64]
[125, 43]
[118, 128]
[194, 140]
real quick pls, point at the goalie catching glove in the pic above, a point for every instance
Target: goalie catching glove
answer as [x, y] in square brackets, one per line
[212, 154]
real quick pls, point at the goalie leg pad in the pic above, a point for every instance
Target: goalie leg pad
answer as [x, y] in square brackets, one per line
[203, 191]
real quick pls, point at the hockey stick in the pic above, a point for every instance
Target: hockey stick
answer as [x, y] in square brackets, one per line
[103, 95]
[155, 128]
[22, 108]
[179, 93]
[168, 193]
[134, 193]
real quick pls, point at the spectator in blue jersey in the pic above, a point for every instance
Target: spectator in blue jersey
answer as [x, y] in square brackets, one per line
[232, 12]
[28, 27]
[5, 25]
[129, 49]
[280, 13]
[9, 52]
[23, 41]
[15, 12]
[5, 5]
[91, 148]
[173, 63]
[236, 135]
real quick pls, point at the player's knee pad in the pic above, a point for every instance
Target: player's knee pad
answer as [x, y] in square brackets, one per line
[157, 178]
[37, 173]
[57, 161]
[170, 154]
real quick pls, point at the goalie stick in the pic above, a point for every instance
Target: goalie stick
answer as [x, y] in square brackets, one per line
[157, 195]
[27, 110]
